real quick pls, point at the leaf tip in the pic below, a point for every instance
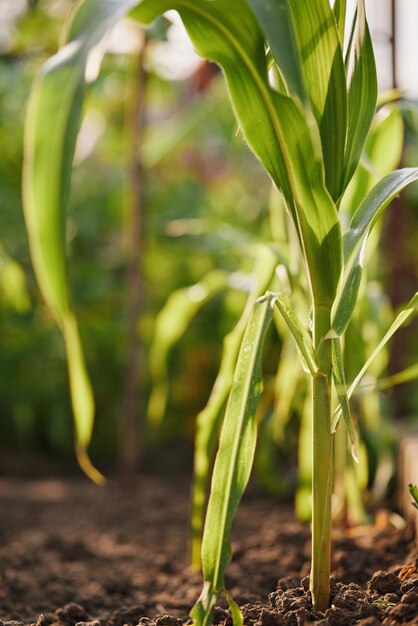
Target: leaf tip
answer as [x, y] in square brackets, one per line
[87, 466]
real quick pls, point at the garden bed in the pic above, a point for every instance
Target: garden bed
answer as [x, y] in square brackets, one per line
[73, 553]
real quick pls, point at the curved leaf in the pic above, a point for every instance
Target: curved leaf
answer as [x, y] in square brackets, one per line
[355, 239]
[276, 128]
[405, 313]
[52, 123]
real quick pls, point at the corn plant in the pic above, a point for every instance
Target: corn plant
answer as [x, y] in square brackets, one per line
[308, 128]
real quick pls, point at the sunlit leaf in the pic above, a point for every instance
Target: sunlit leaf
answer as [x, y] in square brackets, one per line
[52, 122]
[276, 128]
[209, 420]
[300, 334]
[405, 313]
[362, 90]
[234, 459]
[355, 239]
[341, 389]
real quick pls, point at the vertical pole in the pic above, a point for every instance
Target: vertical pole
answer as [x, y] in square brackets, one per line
[393, 43]
[129, 449]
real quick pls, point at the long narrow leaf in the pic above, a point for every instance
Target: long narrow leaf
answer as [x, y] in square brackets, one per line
[362, 91]
[209, 420]
[234, 459]
[304, 40]
[355, 239]
[341, 389]
[340, 12]
[406, 312]
[382, 155]
[275, 17]
[300, 334]
[52, 123]
[404, 376]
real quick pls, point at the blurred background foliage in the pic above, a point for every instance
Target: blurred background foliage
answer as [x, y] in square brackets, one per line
[203, 205]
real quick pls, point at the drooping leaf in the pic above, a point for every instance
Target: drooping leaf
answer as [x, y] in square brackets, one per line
[362, 91]
[234, 459]
[52, 122]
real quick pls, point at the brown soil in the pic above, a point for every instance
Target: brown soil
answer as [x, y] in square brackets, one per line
[71, 553]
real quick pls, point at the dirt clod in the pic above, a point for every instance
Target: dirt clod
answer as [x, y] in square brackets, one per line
[384, 582]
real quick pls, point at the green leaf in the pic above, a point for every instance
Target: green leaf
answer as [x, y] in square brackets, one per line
[276, 128]
[340, 12]
[209, 420]
[382, 154]
[362, 91]
[170, 325]
[405, 313]
[413, 490]
[338, 373]
[275, 17]
[404, 376]
[300, 334]
[311, 64]
[52, 122]
[234, 459]
[236, 614]
[355, 239]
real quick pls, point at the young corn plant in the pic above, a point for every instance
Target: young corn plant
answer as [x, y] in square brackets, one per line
[308, 128]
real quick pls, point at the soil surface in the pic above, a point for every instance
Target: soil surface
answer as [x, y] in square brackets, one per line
[72, 553]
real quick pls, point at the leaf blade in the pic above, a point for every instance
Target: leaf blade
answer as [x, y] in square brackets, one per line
[362, 91]
[209, 419]
[234, 459]
[404, 314]
[355, 240]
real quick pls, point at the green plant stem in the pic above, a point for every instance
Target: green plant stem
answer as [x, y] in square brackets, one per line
[322, 464]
